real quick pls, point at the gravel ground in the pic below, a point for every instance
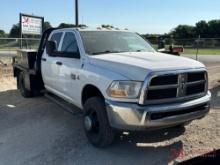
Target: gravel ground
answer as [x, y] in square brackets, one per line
[38, 131]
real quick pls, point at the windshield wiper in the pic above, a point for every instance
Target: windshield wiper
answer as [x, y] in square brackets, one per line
[138, 50]
[105, 52]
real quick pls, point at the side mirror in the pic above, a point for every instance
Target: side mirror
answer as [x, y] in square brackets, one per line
[51, 47]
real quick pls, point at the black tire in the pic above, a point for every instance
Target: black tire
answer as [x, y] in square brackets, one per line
[21, 86]
[100, 134]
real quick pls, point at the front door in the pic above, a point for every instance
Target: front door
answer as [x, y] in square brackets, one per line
[70, 69]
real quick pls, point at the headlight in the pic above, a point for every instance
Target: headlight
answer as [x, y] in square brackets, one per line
[124, 89]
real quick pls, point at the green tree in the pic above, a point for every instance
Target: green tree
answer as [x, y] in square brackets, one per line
[214, 28]
[202, 29]
[108, 26]
[46, 26]
[15, 31]
[184, 31]
[2, 33]
[66, 25]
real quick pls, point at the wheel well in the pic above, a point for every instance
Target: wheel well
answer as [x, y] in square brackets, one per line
[90, 91]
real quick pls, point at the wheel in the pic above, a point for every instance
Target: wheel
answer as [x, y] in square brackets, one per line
[96, 124]
[21, 86]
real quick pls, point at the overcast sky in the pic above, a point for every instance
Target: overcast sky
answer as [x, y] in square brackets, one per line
[143, 16]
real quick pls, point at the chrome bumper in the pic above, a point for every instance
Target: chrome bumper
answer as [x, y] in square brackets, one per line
[134, 117]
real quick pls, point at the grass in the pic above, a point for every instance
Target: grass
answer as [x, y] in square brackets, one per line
[9, 49]
[202, 51]
[13, 46]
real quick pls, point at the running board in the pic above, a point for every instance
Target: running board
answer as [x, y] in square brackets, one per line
[63, 104]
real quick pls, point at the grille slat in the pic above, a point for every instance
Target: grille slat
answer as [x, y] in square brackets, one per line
[180, 85]
[163, 87]
[192, 90]
[196, 76]
[195, 83]
[161, 94]
[164, 80]
[161, 115]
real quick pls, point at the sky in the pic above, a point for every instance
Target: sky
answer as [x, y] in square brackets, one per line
[143, 16]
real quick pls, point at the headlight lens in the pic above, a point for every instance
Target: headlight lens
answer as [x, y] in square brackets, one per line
[124, 89]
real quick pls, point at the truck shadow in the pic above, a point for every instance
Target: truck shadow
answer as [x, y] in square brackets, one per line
[153, 136]
[158, 146]
[34, 121]
[215, 102]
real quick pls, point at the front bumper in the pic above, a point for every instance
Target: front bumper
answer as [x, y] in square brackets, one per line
[134, 117]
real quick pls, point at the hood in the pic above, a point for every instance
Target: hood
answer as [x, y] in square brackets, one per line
[137, 65]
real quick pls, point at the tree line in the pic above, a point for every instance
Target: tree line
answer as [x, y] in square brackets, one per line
[203, 29]
[210, 29]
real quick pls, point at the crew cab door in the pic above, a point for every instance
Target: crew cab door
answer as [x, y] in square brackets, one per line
[70, 69]
[49, 66]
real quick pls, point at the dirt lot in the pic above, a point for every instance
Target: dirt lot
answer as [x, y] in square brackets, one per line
[38, 131]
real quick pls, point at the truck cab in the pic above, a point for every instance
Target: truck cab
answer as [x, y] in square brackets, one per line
[118, 80]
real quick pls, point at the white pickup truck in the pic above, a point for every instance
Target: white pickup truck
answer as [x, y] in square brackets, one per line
[119, 81]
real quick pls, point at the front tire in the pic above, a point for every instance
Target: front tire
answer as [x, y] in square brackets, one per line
[21, 86]
[96, 124]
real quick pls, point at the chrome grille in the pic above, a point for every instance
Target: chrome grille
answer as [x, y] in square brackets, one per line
[175, 86]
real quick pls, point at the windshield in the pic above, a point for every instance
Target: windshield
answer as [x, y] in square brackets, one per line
[100, 42]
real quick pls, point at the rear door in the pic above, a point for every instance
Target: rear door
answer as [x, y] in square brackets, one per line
[49, 66]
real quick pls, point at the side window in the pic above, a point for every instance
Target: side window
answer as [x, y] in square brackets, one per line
[56, 38]
[69, 43]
